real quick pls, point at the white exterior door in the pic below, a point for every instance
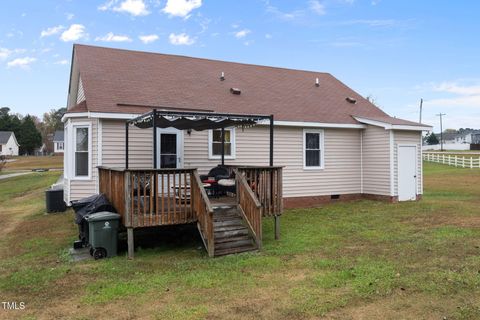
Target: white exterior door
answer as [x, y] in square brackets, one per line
[407, 173]
[169, 155]
[169, 148]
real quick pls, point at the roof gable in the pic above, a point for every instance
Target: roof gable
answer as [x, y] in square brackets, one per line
[5, 136]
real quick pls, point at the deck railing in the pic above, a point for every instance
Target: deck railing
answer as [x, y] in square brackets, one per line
[250, 208]
[151, 197]
[266, 183]
[204, 213]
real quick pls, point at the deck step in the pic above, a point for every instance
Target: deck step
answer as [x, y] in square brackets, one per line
[232, 239]
[223, 252]
[227, 223]
[233, 233]
[234, 244]
[231, 227]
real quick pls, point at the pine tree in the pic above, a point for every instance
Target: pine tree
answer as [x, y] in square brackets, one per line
[28, 137]
[432, 139]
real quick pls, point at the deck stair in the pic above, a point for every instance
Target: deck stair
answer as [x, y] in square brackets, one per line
[231, 233]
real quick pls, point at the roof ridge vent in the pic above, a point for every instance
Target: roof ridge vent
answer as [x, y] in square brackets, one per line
[235, 90]
[351, 100]
[222, 76]
[317, 82]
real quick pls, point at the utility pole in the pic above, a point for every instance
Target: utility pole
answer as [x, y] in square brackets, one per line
[421, 105]
[441, 130]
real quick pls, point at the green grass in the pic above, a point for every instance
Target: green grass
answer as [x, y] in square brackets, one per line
[344, 260]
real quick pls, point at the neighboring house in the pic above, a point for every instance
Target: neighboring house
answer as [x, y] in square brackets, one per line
[58, 142]
[333, 143]
[8, 144]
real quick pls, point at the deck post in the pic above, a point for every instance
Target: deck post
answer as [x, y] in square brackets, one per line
[130, 243]
[223, 146]
[271, 140]
[276, 217]
[126, 144]
[154, 125]
[277, 227]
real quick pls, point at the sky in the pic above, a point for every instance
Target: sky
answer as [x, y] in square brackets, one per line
[394, 51]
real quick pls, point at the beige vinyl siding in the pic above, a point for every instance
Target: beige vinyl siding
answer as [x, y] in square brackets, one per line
[342, 170]
[113, 145]
[408, 137]
[252, 148]
[342, 158]
[84, 188]
[81, 92]
[376, 161]
[342, 155]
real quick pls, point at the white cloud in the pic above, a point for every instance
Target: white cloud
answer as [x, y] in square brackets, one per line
[180, 39]
[133, 7]
[317, 7]
[107, 5]
[74, 33]
[148, 38]
[51, 31]
[181, 8]
[21, 62]
[456, 88]
[62, 62]
[286, 16]
[5, 53]
[110, 37]
[242, 33]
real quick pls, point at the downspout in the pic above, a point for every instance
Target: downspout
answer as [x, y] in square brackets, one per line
[361, 161]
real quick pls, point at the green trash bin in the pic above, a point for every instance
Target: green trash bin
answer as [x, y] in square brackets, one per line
[103, 234]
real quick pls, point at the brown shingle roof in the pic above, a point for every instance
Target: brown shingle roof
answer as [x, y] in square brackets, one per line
[81, 107]
[126, 81]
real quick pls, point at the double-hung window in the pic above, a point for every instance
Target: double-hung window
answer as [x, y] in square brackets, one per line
[81, 150]
[313, 153]
[215, 143]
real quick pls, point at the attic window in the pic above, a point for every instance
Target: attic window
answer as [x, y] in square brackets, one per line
[235, 91]
[351, 100]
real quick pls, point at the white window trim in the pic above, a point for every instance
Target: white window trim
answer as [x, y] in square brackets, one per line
[322, 149]
[232, 141]
[72, 139]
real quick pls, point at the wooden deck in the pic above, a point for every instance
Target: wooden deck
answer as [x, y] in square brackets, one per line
[157, 197]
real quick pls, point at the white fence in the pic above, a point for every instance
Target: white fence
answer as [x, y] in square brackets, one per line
[453, 160]
[448, 146]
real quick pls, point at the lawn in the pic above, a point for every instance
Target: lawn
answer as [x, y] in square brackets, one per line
[357, 260]
[33, 162]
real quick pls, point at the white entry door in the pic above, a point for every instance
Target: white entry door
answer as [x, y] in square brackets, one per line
[169, 148]
[407, 173]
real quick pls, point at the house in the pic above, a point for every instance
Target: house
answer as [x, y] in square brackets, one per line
[332, 142]
[58, 142]
[456, 140]
[8, 144]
